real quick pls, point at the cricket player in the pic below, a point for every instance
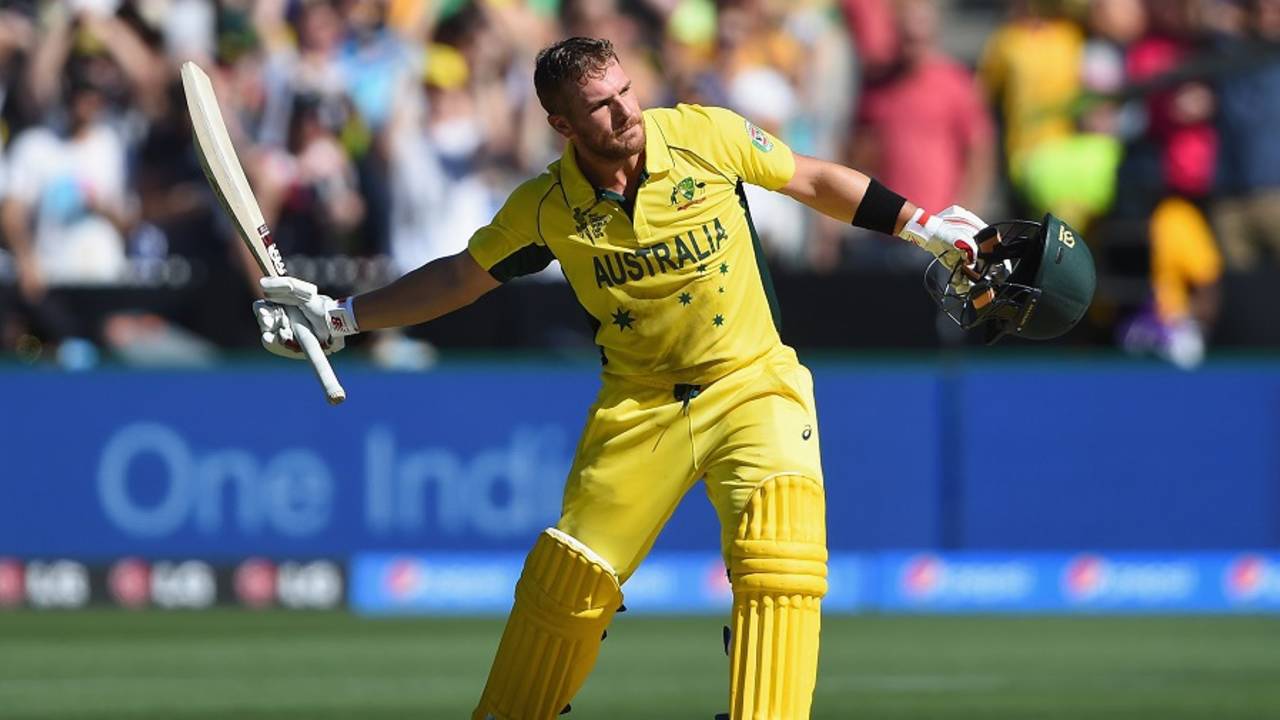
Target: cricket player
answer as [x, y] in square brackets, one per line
[646, 213]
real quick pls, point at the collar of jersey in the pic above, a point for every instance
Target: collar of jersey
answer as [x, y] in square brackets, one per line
[657, 161]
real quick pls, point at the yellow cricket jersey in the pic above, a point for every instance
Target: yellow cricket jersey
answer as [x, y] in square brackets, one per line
[677, 290]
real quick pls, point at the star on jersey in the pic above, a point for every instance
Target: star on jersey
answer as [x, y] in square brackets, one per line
[685, 298]
[724, 268]
[622, 318]
[702, 268]
[718, 320]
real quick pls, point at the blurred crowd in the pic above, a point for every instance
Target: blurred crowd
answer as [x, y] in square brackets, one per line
[1149, 126]
[379, 133]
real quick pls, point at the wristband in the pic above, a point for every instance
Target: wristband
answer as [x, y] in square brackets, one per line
[342, 318]
[879, 208]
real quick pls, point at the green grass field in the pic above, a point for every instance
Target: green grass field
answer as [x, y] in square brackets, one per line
[236, 664]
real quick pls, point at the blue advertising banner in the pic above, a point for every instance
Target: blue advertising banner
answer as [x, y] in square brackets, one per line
[239, 463]
[1120, 456]
[891, 582]
[1082, 582]
[469, 583]
[249, 462]
[987, 582]
[472, 458]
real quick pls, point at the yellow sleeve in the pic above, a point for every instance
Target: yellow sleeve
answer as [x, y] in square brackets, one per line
[748, 151]
[511, 244]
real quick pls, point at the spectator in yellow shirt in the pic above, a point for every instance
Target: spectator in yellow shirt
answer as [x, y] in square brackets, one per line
[1031, 69]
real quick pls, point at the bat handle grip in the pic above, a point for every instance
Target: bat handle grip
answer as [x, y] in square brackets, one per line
[319, 361]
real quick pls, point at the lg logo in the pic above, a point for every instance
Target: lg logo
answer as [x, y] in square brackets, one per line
[60, 584]
[188, 584]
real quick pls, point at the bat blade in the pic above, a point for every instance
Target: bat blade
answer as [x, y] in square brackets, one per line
[223, 170]
[225, 175]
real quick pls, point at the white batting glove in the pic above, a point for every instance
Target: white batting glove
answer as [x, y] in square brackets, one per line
[948, 236]
[329, 319]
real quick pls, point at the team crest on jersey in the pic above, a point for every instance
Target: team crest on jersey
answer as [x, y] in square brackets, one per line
[590, 224]
[758, 137]
[687, 193]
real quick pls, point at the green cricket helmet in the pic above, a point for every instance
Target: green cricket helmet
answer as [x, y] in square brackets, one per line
[1032, 279]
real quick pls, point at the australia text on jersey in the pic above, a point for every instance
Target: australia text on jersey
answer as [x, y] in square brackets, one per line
[663, 256]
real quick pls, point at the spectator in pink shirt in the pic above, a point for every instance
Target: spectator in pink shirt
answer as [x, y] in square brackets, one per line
[924, 126]
[1181, 117]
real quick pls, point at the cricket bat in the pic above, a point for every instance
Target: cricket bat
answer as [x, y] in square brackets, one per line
[222, 169]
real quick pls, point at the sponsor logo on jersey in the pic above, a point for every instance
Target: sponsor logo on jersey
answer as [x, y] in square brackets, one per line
[759, 138]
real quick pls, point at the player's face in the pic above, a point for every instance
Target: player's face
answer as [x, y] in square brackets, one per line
[602, 116]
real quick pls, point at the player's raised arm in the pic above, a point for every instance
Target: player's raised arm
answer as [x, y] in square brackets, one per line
[850, 196]
[511, 245]
[845, 194]
[435, 289]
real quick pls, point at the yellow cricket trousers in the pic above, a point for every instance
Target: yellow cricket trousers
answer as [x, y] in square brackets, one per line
[644, 447]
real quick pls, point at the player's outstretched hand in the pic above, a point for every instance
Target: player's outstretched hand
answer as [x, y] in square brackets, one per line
[949, 236]
[289, 301]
